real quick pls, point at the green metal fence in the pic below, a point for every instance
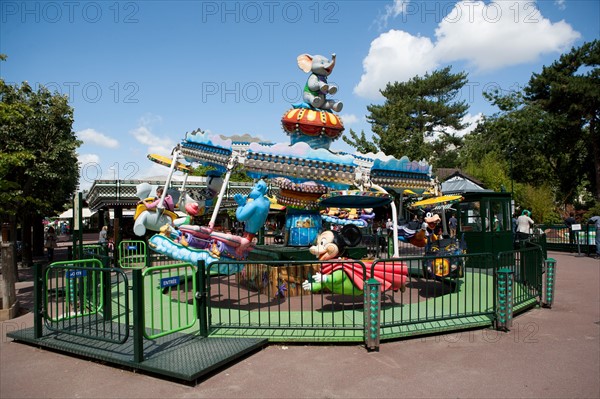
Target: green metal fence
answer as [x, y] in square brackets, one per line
[284, 300]
[169, 298]
[430, 303]
[526, 264]
[560, 238]
[84, 298]
[268, 296]
[132, 254]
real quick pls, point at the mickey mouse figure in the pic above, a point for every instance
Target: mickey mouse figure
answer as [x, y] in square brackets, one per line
[347, 277]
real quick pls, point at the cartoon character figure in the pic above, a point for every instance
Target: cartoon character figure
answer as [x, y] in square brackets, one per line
[253, 213]
[418, 234]
[348, 278]
[316, 87]
[149, 219]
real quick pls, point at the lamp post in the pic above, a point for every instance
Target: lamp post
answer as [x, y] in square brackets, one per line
[511, 150]
[510, 155]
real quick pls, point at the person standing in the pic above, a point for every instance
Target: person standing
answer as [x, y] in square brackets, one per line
[50, 242]
[103, 236]
[389, 225]
[569, 222]
[596, 221]
[452, 224]
[524, 225]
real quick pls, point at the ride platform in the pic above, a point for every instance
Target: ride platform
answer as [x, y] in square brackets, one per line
[180, 356]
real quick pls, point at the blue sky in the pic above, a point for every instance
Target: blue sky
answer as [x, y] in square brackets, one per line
[140, 74]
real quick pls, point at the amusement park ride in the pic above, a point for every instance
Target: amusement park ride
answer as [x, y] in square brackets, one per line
[309, 175]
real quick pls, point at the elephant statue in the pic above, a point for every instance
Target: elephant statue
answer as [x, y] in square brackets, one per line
[316, 87]
[146, 219]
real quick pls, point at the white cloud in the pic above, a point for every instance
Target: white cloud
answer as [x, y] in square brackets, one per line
[90, 170]
[155, 144]
[499, 34]
[471, 122]
[392, 11]
[349, 119]
[561, 4]
[394, 56]
[487, 36]
[91, 136]
[85, 159]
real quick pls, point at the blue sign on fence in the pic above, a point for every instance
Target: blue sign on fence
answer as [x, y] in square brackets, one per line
[132, 247]
[76, 273]
[169, 282]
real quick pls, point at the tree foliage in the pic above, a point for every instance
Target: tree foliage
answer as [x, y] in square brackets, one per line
[38, 161]
[237, 173]
[569, 90]
[419, 119]
[547, 133]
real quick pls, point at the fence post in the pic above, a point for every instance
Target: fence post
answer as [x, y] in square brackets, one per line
[138, 316]
[504, 299]
[373, 308]
[38, 291]
[261, 236]
[202, 297]
[106, 289]
[550, 280]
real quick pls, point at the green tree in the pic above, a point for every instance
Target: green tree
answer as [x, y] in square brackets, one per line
[38, 161]
[516, 135]
[237, 174]
[418, 119]
[548, 133]
[569, 90]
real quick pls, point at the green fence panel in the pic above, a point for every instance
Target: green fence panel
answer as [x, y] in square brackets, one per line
[170, 303]
[84, 298]
[132, 254]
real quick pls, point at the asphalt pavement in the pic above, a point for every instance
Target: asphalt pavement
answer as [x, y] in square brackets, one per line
[549, 353]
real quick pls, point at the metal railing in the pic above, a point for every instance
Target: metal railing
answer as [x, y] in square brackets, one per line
[286, 300]
[428, 298]
[560, 238]
[270, 295]
[526, 264]
[169, 299]
[86, 299]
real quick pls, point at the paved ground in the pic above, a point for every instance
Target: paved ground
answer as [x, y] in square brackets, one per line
[550, 353]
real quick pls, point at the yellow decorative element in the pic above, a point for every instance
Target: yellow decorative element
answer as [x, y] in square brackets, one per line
[292, 113]
[311, 116]
[441, 267]
[214, 249]
[166, 161]
[444, 199]
[333, 119]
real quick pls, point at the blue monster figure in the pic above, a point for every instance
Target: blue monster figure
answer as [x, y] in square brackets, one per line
[253, 213]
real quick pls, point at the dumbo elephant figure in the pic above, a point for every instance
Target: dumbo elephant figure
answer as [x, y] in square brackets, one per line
[149, 219]
[316, 87]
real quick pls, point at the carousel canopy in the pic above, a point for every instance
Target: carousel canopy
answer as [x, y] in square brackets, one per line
[355, 199]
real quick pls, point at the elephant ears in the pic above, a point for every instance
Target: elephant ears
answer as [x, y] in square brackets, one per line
[305, 62]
